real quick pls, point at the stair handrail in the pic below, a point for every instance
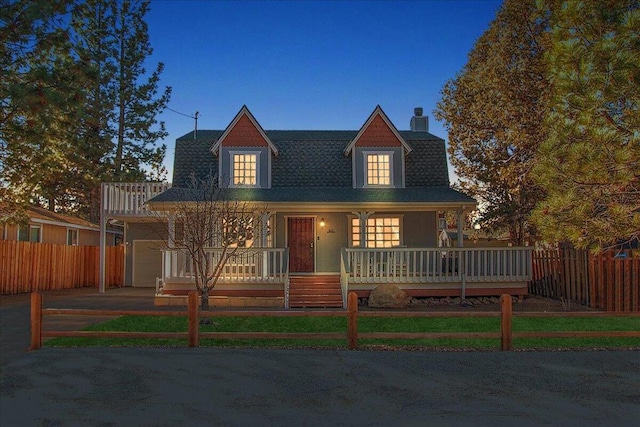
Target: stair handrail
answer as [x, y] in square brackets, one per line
[344, 276]
[285, 270]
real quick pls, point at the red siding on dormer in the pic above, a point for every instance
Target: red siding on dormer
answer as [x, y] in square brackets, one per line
[378, 134]
[244, 134]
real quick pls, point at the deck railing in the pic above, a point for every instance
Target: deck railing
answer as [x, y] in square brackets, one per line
[437, 265]
[128, 198]
[251, 265]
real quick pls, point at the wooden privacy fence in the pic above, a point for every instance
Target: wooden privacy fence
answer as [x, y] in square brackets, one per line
[193, 334]
[609, 281]
[27, 267]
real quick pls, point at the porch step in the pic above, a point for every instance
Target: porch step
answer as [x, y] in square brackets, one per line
[315, 291]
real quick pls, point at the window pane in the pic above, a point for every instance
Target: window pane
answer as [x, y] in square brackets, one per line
[34, 234]
[72, 237]
[381, 232]
[378, 169]
[355, 231]
[23, 234]
[245, 169]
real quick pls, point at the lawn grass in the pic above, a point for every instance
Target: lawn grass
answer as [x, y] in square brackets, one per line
[365, 324]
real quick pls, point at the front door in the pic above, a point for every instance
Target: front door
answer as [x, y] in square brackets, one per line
[301, 240]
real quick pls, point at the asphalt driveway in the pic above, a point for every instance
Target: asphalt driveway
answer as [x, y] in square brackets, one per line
[238, 387]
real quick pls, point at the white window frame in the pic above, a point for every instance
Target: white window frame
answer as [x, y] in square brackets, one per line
[77, 232]
[30, 226]
[365, 180]
[400, 218]
[232, 154]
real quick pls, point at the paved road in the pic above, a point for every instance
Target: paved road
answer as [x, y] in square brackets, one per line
[238, 387]
[14, 313]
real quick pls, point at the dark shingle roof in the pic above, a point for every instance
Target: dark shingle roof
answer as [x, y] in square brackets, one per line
[311, 166]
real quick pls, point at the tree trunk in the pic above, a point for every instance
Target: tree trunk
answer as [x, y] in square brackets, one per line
[204, 300]
[94, 205]
[121, 103]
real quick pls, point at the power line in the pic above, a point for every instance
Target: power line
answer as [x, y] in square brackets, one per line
[182, 114]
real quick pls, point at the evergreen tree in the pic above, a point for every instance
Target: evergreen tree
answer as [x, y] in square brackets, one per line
[590, 162]
[137, 103]
[493, 112]
[40, 101]
[119, 130]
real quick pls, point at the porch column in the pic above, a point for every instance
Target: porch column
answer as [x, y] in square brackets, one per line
[461, 260]
[264, 228]
[363, 216]
[103, 240]
[264, 239]
[171, 240]
[460, 235]
[103, 251]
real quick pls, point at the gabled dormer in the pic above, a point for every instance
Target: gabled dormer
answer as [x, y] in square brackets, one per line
[378, 154]
[244, 153]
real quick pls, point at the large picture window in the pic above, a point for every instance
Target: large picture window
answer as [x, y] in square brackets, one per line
[245, 169]
[381, 232]
[378, 169]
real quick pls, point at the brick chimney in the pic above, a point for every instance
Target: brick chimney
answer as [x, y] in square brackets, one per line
[419, 123]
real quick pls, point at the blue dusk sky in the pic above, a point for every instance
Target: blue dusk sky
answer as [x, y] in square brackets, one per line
[309, 64]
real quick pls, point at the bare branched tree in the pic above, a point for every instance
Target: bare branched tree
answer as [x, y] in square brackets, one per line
[211, 229]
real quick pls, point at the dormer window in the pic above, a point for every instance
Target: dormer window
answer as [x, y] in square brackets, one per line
[244, 169]
[378, 168]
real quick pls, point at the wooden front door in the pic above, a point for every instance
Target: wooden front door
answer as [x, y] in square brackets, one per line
[301, 242]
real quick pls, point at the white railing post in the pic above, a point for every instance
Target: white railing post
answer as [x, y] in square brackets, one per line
[126, 198]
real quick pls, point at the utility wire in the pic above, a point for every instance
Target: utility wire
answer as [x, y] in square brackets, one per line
[182, 114]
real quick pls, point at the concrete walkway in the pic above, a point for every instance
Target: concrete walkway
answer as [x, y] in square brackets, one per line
[238, 387]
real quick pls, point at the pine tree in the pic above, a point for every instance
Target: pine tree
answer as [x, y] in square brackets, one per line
[137, 104]
[493, 111]
[40, 101]
[119, 131]
[590, 162]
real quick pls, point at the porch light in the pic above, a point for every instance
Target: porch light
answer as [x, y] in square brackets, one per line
[322, 223]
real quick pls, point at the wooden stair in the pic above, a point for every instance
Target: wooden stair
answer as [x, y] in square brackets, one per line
[315, 291]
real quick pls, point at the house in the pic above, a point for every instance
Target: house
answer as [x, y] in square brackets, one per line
[45, 226]
[347, 210]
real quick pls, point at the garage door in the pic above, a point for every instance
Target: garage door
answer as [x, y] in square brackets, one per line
[147, 263]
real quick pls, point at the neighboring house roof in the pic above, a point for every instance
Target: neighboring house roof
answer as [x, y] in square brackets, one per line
[44, 216]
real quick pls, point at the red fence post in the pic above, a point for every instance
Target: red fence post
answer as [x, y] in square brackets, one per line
[506, 333]
[36, 321]
[352, 320]
[194, 338]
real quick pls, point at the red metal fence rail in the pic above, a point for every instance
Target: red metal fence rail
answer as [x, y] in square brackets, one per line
[27, 267]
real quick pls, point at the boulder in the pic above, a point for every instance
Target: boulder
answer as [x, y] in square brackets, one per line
[388, 296]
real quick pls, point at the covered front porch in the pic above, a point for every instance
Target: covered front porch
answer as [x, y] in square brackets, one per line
[262, 274]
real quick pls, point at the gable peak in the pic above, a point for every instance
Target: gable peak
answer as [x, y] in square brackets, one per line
[378, 130]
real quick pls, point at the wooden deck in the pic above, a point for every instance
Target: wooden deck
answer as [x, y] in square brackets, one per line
[430, 272]
[420, 272]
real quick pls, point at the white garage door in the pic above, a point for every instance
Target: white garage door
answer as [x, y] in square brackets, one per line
[147, 263]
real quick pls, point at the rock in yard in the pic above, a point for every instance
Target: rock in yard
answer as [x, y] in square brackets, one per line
[388, 296]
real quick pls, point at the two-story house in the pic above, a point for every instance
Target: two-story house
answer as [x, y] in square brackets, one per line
[347, 210]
